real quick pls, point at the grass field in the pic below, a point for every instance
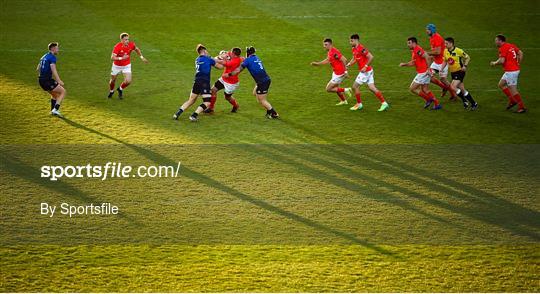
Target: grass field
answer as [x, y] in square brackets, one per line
[323, 199]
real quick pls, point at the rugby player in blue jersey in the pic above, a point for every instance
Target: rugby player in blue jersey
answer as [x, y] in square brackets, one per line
[201, 86]
[257, 71]
[49, 80]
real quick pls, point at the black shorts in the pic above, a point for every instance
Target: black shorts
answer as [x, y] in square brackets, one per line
[458, 75]
[219, 85]
[201, 88]
[262, 88]
[48, 84]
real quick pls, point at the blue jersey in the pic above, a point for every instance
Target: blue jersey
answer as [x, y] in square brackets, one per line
[256, 69]
[203, 65]
[45, 71]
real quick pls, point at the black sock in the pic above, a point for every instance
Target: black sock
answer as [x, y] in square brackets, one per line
[53, 103]
[269, 111]
[460, 95]
[57, 106]
[470, 98]
[180, 110]
[195, 114]
[273, 112]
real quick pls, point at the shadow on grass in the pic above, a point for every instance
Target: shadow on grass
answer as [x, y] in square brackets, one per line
[203, 179]
[481, 205]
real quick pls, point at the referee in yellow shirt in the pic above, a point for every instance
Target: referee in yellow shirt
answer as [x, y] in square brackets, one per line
[457, 61]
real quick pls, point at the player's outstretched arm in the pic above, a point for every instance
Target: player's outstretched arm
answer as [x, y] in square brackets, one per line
[55, 75]
[236, 71]
[140, 55]
[219, 65]
[315, 63]
[435, 51]
[353, 61]
[410, 63]
[520, 56]
[501, 60]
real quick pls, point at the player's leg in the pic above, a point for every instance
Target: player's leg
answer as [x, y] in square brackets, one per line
[191, 100]
[234, 103]
[125, 83]
[380, 96]
[53, 99]
[112, 83]
[512, 82]
[262, 92]
[430, 97]
[356, 88]
[204, 87]
[334, 87]
[218, 85]
[503, 85]
[455, 86]
[60, 94]
[443, 75]
[468, 96]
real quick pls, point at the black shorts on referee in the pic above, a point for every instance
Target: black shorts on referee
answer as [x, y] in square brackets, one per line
[458, 75]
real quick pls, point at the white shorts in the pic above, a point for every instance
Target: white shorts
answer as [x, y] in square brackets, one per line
[443, 72]
[365, 78]
[511, 77]
[422, 78]
[338, 79]
[117, 69]
[229, 88]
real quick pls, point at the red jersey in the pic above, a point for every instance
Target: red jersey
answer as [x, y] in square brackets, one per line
[334, 56]
[509, 52]
[437, 41]
[121, 50]
[231, 65]
[419, 60]
[360, 53]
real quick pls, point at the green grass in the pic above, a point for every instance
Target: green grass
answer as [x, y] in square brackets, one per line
[324, 199]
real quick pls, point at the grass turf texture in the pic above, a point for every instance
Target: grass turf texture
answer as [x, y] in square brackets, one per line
[346, 218]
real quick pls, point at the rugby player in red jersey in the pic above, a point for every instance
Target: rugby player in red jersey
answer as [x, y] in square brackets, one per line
[420, 84]
[363, 58]
[122, 63]
[437, 52]
[231, 61]
[339, 74]
[510, 57]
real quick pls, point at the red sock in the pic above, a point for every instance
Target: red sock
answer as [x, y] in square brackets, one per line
[439, 83]
[213, 101]
[432, 97]
[341, 96]
[123, 85]
[111, 85]
[358, 99]
[517, 98]
[506, 92]
[233, 102]
[380, 96]
[340, 90]
[424, 96]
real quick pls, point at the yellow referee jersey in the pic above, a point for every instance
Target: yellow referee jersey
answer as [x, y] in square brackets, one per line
[455, 58]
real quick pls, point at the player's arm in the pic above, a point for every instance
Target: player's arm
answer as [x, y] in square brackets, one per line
[353, 61]
[37, 68]
[55, 74]
[519, 56]
[218, 65]
[369, 60]
[115, 57]
[434, 52]
[501, 60]
[465, 60]
[220, 61]
[410, 63]
[140, 54]
[343, 60]
[325, 61]
[236, 71]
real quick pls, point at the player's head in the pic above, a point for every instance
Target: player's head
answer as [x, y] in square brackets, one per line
[250, 50]
[124, 38]
[500, 40]
[201, 50]
[327, 44]
[236, 51]
[449, 43]
[412, 42]
[53, 48]
[354, 40]
[431, 29]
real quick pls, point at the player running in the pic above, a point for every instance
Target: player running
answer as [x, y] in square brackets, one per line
[122, 63]
[363, 57]
[437, 52]
[510, 56]
[231, 61]
[49, 80]
[257, 71]
[420, 84]
[201, 85]
[457, 61]
[339, 74]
